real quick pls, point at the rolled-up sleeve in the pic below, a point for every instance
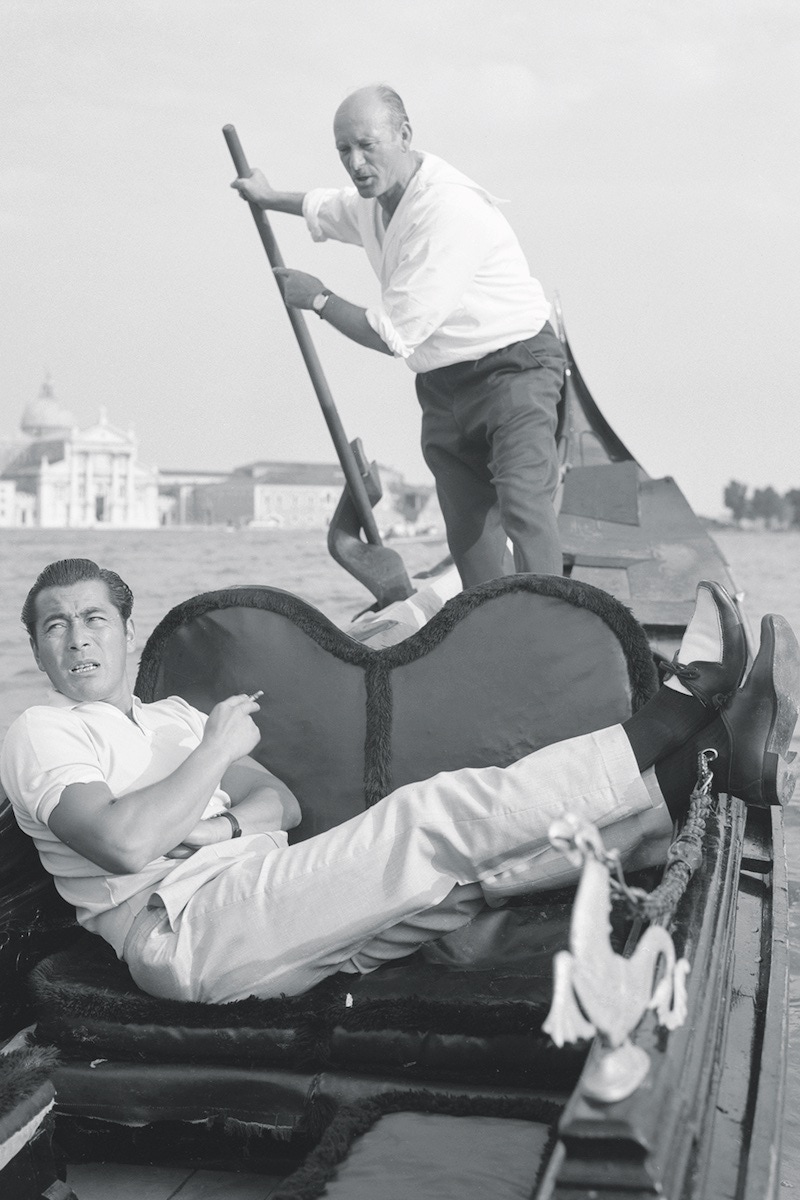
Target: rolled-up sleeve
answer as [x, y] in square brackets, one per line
[441, 255]
[45, 751]
[332, 213]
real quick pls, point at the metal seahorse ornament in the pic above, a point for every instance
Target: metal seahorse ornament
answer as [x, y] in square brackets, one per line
[596, 990]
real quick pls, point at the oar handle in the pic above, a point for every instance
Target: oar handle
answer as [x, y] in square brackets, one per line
[344, 451]
[244, 171]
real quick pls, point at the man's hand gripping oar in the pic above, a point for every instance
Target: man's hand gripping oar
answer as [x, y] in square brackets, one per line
[373, 564]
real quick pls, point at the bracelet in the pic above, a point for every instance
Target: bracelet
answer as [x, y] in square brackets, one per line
[235, 826]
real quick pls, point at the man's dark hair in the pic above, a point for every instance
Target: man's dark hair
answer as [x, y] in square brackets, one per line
[76, 570]
[393, 104]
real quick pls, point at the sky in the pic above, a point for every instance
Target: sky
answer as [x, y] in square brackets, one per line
[648, 151]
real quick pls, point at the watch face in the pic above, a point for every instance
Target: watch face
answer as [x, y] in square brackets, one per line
[318, 303]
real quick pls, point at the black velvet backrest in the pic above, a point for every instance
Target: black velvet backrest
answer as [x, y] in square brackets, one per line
[501, 670]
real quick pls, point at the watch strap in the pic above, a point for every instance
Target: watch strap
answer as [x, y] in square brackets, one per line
[235, 826]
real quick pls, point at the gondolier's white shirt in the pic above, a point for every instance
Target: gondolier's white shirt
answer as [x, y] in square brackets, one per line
[455, 284]
[53, 745]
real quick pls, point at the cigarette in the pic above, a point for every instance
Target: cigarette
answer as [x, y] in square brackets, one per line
[256, 695]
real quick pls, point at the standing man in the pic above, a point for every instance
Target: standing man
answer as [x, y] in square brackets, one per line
[458, 303]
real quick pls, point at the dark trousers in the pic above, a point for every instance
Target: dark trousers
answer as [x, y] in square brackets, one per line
[488, 436]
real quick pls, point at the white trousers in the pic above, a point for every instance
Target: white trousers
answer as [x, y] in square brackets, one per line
[424, 860]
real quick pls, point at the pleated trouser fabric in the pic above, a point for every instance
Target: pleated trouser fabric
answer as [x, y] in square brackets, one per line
[488, 436]
[280, 919]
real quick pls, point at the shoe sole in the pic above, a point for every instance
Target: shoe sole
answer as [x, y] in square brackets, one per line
[776, 782]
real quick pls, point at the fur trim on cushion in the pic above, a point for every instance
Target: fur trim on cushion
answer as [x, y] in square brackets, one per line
[22, 1073]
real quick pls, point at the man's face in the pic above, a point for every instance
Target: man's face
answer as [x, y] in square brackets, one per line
[82, 643]
[374, 153]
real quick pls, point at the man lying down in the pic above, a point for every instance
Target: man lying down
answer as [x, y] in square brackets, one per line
[169, 839]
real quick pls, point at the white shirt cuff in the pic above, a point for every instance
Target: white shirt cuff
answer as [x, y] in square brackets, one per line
[312, 202]
[385, 330]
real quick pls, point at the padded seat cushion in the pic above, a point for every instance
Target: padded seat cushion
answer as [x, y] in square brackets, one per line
[503, 669]
[431, 1013]
[26, 1097]
[430, 1146]
[34, 920]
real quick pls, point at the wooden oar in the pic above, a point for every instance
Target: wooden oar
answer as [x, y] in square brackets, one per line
[352, 474]
[376, 566]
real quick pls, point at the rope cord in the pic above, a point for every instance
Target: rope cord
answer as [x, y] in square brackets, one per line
[684, 856]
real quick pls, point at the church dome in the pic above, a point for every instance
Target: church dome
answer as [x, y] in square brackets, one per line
[46, 417]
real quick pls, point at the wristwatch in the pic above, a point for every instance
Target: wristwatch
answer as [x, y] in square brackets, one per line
[235, 826]
[319, 302]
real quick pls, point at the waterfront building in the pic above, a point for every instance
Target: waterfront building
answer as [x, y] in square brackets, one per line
[58, 476]
[176, 489]
[272, 495]
[295, 495]
[12, 512]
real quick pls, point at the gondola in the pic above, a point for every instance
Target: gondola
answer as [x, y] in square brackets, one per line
[434, 1076]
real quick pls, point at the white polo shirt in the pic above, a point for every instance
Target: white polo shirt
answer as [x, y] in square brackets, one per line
[455, 284]
[51, 746]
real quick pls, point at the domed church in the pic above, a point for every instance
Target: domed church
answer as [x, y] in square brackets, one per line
[61, 477]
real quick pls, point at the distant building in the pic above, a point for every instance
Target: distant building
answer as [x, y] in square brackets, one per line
[270, 495]
[176, 490]
[292, 495]
[60, 477]
[11, 513]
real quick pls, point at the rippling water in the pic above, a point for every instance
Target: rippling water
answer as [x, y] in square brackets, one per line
[166, 566]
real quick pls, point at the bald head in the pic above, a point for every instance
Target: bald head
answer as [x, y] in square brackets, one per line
[377, 99]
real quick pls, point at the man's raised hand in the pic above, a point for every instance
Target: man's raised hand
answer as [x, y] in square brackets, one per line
[254, 188]
[230, 728]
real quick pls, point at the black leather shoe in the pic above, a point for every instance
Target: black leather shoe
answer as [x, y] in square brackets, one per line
[714, 683]
[760, 721]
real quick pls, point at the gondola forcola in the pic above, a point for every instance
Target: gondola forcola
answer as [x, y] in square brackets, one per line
[376, 566]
